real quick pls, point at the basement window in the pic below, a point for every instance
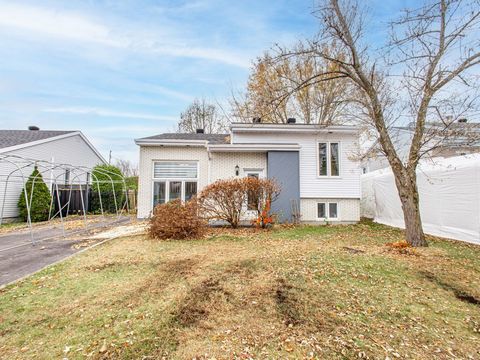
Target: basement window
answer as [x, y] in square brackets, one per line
[327, 210]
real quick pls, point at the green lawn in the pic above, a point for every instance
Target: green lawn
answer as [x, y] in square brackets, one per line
[305, 292]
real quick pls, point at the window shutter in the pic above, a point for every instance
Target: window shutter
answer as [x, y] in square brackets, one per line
[175, 170]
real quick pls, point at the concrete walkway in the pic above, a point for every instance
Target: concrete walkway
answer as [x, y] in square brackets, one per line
[19, 258]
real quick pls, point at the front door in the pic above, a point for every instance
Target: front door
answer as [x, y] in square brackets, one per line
[252, 202]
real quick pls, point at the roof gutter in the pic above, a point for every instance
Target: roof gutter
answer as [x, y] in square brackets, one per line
[253, 147]
[170, 142]
[297, 128]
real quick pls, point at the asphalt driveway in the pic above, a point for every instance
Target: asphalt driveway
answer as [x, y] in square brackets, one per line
[19, 258]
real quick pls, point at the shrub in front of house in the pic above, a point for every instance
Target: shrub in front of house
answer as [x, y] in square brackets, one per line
[176, 220]
[228, 200]
[109, 180]
[263, 192]
[224, 200]
[39, 200]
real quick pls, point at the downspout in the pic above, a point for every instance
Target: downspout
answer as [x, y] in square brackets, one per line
[209, 164]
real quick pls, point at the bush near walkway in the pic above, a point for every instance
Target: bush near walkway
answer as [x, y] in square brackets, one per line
[40, 199]
[175, 220]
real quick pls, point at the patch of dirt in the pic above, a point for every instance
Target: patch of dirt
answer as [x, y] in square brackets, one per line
[196, 306]
[126, 230]
[180, 267]
[167, 273]
[459, 293]
[287, 303]
[242, 268]
[353, 250]
[100, 267]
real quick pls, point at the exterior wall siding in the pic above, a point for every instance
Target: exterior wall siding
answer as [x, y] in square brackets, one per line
[70, 150]
[347, 185]
[223, 164]
[349, 209]
[148, 154]
[283, 167]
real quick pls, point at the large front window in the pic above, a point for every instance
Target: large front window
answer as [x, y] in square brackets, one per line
[328, 159]
[174, 180]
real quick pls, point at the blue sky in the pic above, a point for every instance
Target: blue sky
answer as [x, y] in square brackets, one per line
[119, 70]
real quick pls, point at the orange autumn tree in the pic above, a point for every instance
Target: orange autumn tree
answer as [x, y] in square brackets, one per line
[272, 92]
[264, 191]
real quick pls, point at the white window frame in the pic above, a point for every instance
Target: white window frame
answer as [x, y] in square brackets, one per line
[329, 161]
[327, 210]
[167, 181]
[247, 171]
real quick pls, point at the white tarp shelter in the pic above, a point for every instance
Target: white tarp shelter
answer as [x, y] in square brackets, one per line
[449, 197]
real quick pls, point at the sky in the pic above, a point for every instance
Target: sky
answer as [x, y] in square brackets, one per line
[120, 70]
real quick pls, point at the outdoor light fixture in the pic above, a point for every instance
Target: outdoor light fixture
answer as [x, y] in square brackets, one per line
[237, 170]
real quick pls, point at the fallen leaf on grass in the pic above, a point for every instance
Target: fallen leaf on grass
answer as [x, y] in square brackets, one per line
[104, 347]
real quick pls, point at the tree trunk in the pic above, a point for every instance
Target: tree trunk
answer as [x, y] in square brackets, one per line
[413, 222]
[409, 198]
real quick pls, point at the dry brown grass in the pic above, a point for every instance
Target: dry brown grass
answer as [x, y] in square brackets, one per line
[331, 292]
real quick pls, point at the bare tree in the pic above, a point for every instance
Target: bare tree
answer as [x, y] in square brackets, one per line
[269, 94]
[424, 70]
[202, 115]
[127, 168]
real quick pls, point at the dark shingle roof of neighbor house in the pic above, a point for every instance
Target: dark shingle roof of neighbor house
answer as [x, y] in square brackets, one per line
[211, 138]
[17, 137]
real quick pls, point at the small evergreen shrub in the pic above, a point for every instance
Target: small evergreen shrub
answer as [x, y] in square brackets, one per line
[40, 199]
[105, 174]
[175, 220]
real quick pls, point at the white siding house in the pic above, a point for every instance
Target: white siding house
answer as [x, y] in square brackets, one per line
[312, 164]
[59, 147]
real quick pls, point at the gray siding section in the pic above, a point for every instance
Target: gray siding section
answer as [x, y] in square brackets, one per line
[283, 166]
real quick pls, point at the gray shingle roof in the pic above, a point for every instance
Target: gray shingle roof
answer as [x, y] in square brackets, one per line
[211, 138]
[17, 137]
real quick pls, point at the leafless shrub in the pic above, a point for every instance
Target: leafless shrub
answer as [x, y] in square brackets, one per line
[229, 199]
[175, 220]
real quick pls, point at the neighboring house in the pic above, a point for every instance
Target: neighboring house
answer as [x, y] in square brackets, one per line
[59, 147]
[460, 138]
[311, 163]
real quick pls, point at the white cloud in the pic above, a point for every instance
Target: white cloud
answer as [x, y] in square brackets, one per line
[108, 113]
[71, 26]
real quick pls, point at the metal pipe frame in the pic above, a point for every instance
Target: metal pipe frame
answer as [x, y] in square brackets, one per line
[21, 163]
